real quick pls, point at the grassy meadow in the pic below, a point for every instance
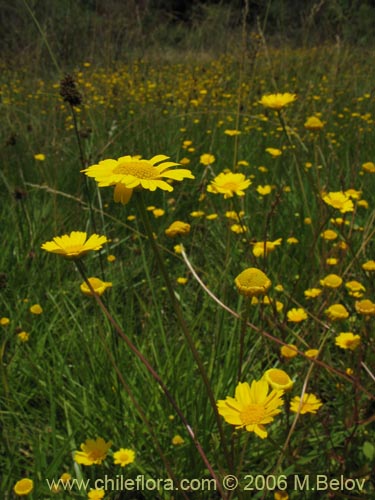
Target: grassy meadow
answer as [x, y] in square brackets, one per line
[143, 365]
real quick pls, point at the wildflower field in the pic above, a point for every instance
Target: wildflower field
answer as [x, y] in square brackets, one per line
[187, 277]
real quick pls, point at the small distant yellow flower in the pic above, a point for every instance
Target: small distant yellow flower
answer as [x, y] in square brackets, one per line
[23, 336]
[130, 218]
[178, 249]
[229, 184]
[310, 404]
[313, 123]
[96, 494]
[307, 220]
[332, 261]
[97, 284]
[337, 312]
[158, 212]
[177, 440]
[339, 200]
[212, 216]
[365, 306]
[39, 157]
[207, 159]
[23, 487]
[264, 190]
[75, 245]
[369, 265]
[238, 228]
[252, 407]
[274, 152]
[347, 340]
[349, 371]
[185, 161]
[369, 167]
[292, 240]
[329, 235]
[278, 379]
[111, 258]
[262, 248]
[36, 309]
[65, 477]
[281, 495]
[182, 280]
[331, 281]
[363, 204]
[94, 451]
[124, 456]
[130, 172]
[232, 132]
[252, 282]
[354, 194]
[355, 288]
[277, 101]
[311, 293]
[296, 315]
[178, 228]
[231, 214]
[288, 351]
[4, 321]
[312, 353]
[197, 213]
[279, 288]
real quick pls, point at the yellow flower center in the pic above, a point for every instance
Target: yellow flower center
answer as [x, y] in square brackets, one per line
[231, 186]
[253, 414]
[140, 169]
[95, 455]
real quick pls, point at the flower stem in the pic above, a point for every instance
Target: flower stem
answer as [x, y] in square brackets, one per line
[181, 320]
[155, 375]
[245, 318]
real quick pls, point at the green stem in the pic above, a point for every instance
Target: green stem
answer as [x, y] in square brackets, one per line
[155, 375]
[180, 318]
[245, 317]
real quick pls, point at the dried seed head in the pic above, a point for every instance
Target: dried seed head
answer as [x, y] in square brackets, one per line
[69, 91]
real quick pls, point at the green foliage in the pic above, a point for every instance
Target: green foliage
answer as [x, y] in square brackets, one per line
[75, 378]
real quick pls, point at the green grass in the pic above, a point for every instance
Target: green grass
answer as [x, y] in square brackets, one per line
[62, 386]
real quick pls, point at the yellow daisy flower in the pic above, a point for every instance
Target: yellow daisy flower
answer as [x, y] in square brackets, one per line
[23, 487]
[131, 172]
[262, 248]
[277, 101]
[296, 315]
[94, 451]
[339, 200]
[74, 245]
[97, 284]
[337, 312]
[310, 404]
[178, 228]
[313, 123]
[207, 159]
[252, 282]
[228, 184]
[288, 351]
[365, 306]
[252, 407]
[96, 494]
[124, 456]
[177, 440]
[278, 379]
[347, 340]
[331, 281]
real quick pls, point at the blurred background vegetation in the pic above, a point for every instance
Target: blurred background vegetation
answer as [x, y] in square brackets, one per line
[108, 31]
